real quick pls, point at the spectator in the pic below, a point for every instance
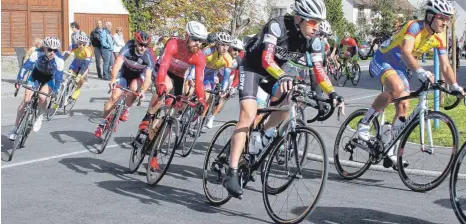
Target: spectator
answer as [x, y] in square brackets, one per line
[76, 32]
[106, 42]
[37, 44]
[95, 41]
[119, 41]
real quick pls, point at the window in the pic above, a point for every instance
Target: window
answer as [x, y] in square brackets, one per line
[278, 11]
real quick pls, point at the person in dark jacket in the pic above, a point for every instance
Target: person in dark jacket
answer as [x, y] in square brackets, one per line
[95, 41]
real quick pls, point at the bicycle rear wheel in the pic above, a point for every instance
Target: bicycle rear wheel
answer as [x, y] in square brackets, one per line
[434, 162]
[342, 77]
[313, 167]
[140, 145]
[162, 150]
[458, 202]
[216, 165]
[20, 134]
[192, 133]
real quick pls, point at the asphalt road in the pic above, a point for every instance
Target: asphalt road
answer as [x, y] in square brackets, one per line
[55, 179]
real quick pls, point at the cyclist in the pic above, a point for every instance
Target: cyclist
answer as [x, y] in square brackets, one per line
[349, 48]
[218, 62]
[414, 39]
[283, 42]
[132, 68]
[324, 31]
[333, 42]
[178, 56]
[211, 40]
[80, 65]
[46, 68]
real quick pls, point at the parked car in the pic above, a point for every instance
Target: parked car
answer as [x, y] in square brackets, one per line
[364, 50]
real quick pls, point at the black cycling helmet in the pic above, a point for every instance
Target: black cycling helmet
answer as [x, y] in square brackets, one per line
[211, 38]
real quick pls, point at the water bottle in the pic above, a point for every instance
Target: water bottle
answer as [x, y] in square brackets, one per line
[254, 140]
[386, 132]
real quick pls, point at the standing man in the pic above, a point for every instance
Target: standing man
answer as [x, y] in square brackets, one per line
[106, 42]
[76, 32]
[95, 41]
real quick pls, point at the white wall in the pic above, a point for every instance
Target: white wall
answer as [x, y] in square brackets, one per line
[349, 11]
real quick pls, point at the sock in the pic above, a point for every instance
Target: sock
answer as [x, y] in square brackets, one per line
[371, 114]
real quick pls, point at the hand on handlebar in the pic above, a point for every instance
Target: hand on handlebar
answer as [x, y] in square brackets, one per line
[286, 83]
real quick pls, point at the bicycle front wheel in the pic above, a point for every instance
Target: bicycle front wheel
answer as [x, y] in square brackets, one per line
[192, 132]
[304, 174]
[356, 74]
[430, 164]
[342, 76]
[110, 125]
[458, 175]
[163, 151]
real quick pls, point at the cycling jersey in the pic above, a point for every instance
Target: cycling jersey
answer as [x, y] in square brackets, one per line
[277, 49]
[387, 59]
[217, 64]
[176, 59]
[350, 45]
[43, 69]
[135, 63]
[82, 58]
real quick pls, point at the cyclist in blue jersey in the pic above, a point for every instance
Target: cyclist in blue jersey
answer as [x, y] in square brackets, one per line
[46, 68]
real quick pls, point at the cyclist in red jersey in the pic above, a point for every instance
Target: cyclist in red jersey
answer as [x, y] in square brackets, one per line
[349, 48]
[178, 56]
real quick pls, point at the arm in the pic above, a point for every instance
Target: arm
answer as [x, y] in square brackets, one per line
[226, 79]
[199, 82]
[103, 39]
[117, 66]
[270, 41]
[446, 69]
[58, 76]
[28, 65]
[170, 49]
[86, 62]
[235, 79]
[28, 54]
[319, 72]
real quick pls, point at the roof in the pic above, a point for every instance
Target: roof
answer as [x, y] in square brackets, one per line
[404, 4]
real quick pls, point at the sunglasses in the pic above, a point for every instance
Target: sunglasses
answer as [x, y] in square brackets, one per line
[81, 43]
[443, 18]
[52, 50]
[143, 45]
[195, 39]
[312, 23]
[235, 49]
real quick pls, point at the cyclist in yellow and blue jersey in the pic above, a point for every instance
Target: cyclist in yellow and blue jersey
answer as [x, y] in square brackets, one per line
[80, 65]
[218, 62]
[414, 39]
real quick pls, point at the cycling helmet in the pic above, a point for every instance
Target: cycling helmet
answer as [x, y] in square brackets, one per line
[142, 37]
[224, 38]
[325, 28]
[238, 44]
[196, 29]
[311, 9]
[52, 42]
[83, 39]
[211, 38]
[346, 34]
[442, 7]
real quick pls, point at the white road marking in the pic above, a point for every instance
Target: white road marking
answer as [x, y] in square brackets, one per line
[50, 157]
[360, 98]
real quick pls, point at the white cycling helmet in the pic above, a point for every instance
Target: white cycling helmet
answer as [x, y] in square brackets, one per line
[224, 38]
[196, 29]
[238, 44]
[442, 7]
[325, 28]
[52, 42]
[311, 9]
[82, 38]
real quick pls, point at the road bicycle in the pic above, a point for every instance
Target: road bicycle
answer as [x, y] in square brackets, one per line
[282, 153]
[421, 122]
[164, 127]
[347, 72]
[63, 99]
[113, 118]
[29, 117]
[458, 175]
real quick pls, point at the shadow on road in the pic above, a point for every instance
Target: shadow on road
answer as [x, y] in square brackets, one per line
[100, 99]
[87, 139]
[156, 195]
[12, 81]
[93, 115]
[85, 165]
[356, 215]
[444, 203]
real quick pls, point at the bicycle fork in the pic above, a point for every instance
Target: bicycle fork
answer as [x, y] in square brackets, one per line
[422, 126]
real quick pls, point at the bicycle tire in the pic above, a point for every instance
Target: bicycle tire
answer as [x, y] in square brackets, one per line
[207, 167]
[418, 187]
[30, 123]
[110, 125]
[140, 152]
[70, 101]
[353, 78]
[185, 153]
[341, 75]
[336, 154]
[313, 204]
[155, 150]
[19, 135]
[455, 202]
[52, 112]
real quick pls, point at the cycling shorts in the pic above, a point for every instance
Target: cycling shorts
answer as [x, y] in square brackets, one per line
[125, 77]
[378, 67]
[250, 81]
[33, 78]
[77, 64]
[178, 84]
[209, 78]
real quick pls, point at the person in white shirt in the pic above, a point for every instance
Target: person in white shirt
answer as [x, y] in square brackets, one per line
[119, 41]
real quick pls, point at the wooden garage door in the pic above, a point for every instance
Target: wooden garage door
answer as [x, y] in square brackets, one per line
[87, 22]
[14, 27]
[45, 24]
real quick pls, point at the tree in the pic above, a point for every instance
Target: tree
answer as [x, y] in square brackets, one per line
[337, 18]
[388, 20]
[139, 15]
